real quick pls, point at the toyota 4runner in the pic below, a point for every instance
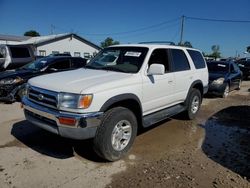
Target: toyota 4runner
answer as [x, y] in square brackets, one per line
[123, 88]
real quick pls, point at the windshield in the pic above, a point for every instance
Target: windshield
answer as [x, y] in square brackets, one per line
[218, 67]
[36, 65]
[120, 59]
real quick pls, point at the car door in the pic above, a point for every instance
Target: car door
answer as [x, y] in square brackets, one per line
[158, 89]
[183, 74]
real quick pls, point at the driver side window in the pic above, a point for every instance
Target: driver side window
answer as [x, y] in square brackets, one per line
[160, 56]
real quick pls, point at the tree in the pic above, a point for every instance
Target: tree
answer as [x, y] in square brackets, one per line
[248, 49]
[186, 44]
[108, 42]
[215, 51]
[31, 33]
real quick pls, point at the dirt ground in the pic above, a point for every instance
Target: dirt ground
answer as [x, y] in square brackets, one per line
[211, 151]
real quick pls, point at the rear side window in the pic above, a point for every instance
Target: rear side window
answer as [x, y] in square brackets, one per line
[197, 58]
[180, 61]
[19, 52]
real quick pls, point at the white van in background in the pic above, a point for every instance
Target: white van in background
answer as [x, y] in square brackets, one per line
[14, 56]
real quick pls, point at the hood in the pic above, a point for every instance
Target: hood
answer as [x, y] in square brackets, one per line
[78, 81]
[215, 76]
[15, 73]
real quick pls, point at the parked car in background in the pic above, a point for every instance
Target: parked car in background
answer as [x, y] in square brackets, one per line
[14, 56]
[244, 65]
[224, 76]
[12, 82]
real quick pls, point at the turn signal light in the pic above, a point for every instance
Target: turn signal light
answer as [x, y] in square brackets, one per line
[85, 101]
[67, 121]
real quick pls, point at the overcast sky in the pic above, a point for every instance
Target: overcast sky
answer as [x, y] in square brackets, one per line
[133, 21]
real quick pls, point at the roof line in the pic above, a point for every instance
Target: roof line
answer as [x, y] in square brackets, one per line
[66, 36]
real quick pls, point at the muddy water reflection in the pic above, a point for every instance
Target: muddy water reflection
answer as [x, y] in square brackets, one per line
[228, 137]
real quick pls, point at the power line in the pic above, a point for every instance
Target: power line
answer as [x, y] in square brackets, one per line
[217, 20]
[136, 30]
[153, 30]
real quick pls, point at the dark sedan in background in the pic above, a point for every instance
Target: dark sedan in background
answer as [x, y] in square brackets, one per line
[244, 65]
[224, 76]
[12, 82]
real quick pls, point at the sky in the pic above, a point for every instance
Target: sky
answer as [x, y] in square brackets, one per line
[133, 21]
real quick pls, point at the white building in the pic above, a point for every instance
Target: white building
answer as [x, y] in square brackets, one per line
[52, 44]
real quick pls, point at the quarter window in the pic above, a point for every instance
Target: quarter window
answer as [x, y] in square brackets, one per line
[180, 61]
[19, 52]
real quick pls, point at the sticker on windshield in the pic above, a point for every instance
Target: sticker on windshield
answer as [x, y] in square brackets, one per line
[133, 54]
[221, 65]
[43, 62]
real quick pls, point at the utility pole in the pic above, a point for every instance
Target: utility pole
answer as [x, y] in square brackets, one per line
[52, 28]
[182, 29]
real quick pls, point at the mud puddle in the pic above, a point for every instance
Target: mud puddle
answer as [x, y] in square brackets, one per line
[228, 137]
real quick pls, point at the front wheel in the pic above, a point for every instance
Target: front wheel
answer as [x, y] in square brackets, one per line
[193, 104]
[116, 133]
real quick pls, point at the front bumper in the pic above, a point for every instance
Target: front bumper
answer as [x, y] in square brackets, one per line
[48, 119]
[217, 89]
[8, 93]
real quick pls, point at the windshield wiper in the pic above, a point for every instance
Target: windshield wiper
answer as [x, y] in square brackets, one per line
[112, 69]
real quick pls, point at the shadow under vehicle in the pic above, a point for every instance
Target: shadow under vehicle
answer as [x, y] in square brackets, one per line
[12, 82]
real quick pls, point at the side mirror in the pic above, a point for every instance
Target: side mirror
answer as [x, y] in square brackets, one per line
[156, 69]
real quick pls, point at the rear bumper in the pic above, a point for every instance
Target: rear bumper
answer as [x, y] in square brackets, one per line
[48, 119]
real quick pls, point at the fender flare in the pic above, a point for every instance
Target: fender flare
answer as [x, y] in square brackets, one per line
[191, 87]
[119, 98]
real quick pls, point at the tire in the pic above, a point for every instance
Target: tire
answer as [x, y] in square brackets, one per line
[226, 91]
[193, 104]
[239, 86]
[116, 133]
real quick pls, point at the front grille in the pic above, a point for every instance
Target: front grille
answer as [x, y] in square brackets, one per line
[50, 122]
[43, 97]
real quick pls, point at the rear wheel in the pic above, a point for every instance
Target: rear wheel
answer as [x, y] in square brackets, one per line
[116, 133]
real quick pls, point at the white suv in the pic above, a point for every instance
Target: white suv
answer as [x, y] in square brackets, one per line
[109, 101]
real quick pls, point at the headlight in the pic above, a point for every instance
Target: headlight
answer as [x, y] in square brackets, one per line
[26, 90]
[74, 101]
[7, 81]
[219, 81]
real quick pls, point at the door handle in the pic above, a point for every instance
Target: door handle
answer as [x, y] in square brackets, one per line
[170, 81]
